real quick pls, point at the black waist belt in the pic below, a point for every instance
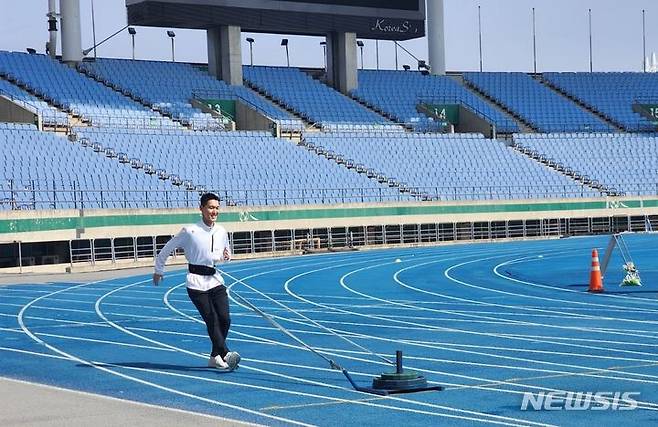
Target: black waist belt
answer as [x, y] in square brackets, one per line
[202, 270]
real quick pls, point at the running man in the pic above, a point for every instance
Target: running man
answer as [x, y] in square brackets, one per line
[205, 243]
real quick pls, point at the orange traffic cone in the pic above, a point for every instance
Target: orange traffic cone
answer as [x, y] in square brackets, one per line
[595, 281]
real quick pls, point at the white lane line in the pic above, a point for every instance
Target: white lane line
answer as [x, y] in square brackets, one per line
[425, 326]
[533, 297]
[278, 343]
[94, 340]
[332, 400]
[512, 307]
[128, 377]
[344, 353]
[33, 353]
[392, 320]
[67, 323]
[645, 334]
[552, 288]
[487, 385]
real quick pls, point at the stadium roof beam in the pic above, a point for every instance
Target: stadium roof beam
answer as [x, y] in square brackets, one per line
[369, 19]
[340, 21]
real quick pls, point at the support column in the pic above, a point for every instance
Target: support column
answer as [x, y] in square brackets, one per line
[71, 39]
[436, 37]
[341, 61]
[225, 54]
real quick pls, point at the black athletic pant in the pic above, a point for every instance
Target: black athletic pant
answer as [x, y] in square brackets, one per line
[213, 307]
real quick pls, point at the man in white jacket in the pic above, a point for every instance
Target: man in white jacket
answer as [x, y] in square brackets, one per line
[205, 243]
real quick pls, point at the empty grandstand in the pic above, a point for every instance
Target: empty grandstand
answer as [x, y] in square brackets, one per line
[312, 100]
[610, 94]
[376, 152]
[81, 96]
[173, 86]
[535, 104]
[399, 93]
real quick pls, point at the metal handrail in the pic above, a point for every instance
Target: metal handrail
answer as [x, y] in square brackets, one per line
[22, 195]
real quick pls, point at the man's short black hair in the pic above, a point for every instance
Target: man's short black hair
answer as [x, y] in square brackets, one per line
[208, 196]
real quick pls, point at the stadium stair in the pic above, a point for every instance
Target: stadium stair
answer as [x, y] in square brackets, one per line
[307, 123]
[375, 176]
[383, 113]
[615, 125]
[322, 78]
[71, 119]
[524, 126]
[563, 169]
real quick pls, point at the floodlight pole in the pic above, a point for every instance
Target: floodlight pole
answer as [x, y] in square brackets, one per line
[480, 36]
[251, 51]
[534, 42]
[589, 13]
[360, 44]
[173, 51]
[132, 32]
[172, 35]
[284, 43]
[644, 43]
[376, 53]
[52, 28]
[362, 65]
[324, 54]
[93, 27]
[395, 43]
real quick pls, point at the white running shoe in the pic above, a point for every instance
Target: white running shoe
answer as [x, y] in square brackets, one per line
[232, 359]
[217, 362]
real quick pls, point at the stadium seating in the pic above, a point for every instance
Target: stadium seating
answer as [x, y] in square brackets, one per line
[82, 96]
[398, 93]
[623, 162]
[313, 100]
[535, 103]
[72, 176]
[172, 85]
[452, 167]
[611, 94]
[135, 157]
[247, 168]
[50, 116]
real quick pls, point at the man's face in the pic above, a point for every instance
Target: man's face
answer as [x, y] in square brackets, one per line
[210, 211]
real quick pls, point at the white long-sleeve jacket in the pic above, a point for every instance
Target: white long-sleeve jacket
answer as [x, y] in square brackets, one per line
[203, 245]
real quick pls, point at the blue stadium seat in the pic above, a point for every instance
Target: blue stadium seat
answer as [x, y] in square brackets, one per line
[313, 100]
[80, 95]
[535, 103]
[398, 94]
[172, 85]
[611, 94]
[623, 162]
[454, 166]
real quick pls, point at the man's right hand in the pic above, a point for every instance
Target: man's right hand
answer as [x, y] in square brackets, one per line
[156, 278]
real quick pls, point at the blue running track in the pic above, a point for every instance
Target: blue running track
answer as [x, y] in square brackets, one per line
[487, 321]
